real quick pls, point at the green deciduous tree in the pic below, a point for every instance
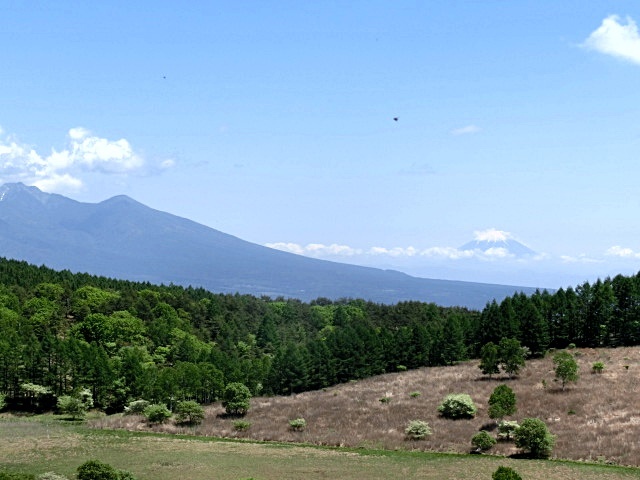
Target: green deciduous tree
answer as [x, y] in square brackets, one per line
[511, 356]
[489, 359]
[502, 402]
[236, 398]
[566, 368]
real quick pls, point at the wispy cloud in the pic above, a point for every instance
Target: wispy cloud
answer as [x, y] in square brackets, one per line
[617, 39]
[63, 170]
[618, 251]
[466, 130]
[318, 250]
[418, 169]
[582, 258]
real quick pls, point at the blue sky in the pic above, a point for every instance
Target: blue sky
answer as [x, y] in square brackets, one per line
[274, 122]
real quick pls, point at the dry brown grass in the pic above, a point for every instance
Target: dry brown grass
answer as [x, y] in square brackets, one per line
[597, 419]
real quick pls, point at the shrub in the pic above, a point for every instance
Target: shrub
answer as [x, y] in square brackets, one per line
[505, 473]
[71, 406]
[597, 367]
[483, 441]
[3, 402]
[157, 413]
[96, 470]
[298, 424]
[235, 398]
[16, 476]
[507, 429]
[417, 430]
[241, 425]
[415, 394]
[533, 436]
[136, 407]
[385, 400]
[502, 402]
[77, 405]
[51, 476]
[458, 405]
[190, 412]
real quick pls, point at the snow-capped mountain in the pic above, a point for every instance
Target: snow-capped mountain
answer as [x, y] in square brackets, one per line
[497, 243]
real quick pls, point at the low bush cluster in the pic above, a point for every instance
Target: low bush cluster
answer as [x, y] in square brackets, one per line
[458, 405]
[96, 470]
[298, 424]
[417, 430]
[483, 441]
[157, 413]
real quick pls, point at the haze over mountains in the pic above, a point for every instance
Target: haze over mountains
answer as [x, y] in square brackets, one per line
[125, 239]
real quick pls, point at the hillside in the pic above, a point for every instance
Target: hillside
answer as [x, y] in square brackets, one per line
[594, 420]
[122, 238]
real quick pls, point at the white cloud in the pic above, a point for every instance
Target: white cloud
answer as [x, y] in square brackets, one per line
[315, 249]
[616, 39]
[618, 251]
[491, 235]
[447, 252]
[582, 258]
[64, 169]
[318, 250]
[466, 130]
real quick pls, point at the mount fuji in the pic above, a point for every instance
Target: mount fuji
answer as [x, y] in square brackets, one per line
[498, 243]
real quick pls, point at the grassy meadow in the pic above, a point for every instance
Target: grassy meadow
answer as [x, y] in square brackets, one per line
[43, 445]
[596, 421]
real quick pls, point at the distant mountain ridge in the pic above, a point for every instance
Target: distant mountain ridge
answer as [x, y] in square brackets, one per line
[122, 238]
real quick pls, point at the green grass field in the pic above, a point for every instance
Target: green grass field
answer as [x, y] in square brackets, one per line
[41, 444]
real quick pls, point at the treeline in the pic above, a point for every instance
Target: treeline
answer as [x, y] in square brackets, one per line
[605, 313]
[62, 332]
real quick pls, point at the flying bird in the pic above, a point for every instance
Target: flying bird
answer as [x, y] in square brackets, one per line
[395, 119]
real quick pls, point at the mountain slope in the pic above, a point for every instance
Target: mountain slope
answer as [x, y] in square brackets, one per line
[122, 238]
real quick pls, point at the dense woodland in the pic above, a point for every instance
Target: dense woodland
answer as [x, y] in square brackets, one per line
[61, 332]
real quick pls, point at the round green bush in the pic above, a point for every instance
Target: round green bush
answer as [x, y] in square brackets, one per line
[298, 424]
[96, 470]
[507, 428]
[534, 437]
[189, 411]
[458, 405]
[505, 473]
[417, 430]
[157, 413]
[483, 441]
[136, 407]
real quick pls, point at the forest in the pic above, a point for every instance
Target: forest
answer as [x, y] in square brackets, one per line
[62, 332]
